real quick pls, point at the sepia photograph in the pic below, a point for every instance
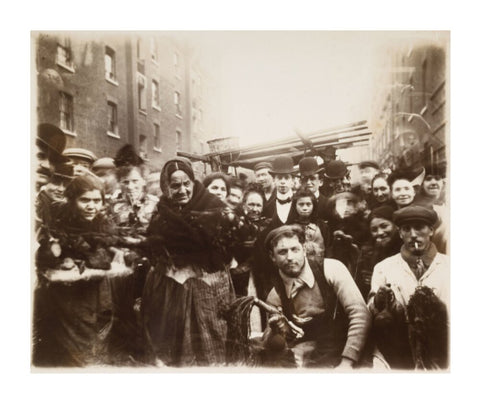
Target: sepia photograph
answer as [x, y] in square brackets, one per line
[233, 201]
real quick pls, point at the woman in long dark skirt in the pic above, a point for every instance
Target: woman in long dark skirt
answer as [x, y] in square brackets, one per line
[189, 289]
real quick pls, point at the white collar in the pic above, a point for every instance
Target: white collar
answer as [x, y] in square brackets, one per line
[281, 196]
[306, 277]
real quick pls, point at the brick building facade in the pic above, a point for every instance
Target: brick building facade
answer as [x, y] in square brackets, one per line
[108, 89]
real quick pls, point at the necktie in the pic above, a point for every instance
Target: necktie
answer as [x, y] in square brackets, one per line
[296, 285]
[419, 268]
[288, 200]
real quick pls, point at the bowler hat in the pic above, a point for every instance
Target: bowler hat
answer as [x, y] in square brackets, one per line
[64, 171]
[262, 165]
[282, 165]
[335, 170]
[80, 153]
[51, 140]
[308, 166]
[415, 213]
[366, 164]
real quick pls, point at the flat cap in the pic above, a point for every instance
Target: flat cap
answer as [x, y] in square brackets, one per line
[415, 213]
[274, 234]
[262, 165]
[80, 153]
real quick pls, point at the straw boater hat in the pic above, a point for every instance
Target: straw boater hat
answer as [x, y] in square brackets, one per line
[282, 165]
[308, 166]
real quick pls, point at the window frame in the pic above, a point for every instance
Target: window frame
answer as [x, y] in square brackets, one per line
[156, 102]
[177, 103]
[113, 133]
[157, 136]
[67, 61]
[66, 100]
[142, 97]
[111, 76]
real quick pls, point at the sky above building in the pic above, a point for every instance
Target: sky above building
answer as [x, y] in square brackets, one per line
[274, 83]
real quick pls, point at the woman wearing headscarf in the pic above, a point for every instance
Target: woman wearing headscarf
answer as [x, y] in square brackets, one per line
[385, 242]
[189, 289]
[70, 315]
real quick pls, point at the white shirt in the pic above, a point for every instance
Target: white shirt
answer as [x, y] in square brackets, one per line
[396, 272]
[283, 209]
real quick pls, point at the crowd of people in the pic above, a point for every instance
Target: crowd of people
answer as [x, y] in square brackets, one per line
[291, 267]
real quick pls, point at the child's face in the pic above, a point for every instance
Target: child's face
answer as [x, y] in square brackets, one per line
[304, 206]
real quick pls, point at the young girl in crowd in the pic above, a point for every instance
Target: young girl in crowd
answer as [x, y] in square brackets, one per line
[306, 215]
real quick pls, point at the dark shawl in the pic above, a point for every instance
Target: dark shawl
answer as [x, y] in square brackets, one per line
[195, 234]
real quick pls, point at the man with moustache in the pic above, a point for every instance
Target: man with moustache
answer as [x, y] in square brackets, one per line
[320, 298]
[418, 263]
[394, 282]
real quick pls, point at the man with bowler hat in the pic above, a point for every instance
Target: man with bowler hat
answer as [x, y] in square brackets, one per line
[280, 208]
[336, 179]
[310, 178]
[50, 141]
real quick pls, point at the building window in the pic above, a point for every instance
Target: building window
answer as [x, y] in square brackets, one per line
[155, 94]
[112, 119]
[157, 145]
[176, 100]
[66, 112]
[64, 55]
[110, 65]
[142, 92]
[142, 146]
[179, 140]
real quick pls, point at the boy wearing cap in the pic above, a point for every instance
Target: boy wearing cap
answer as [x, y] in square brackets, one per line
[320, 297]
[264, 178]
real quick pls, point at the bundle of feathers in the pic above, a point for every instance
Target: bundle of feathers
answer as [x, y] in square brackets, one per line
[428, 329]
[415, 337]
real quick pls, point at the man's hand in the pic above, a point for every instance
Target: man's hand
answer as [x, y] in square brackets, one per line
[278, 324]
